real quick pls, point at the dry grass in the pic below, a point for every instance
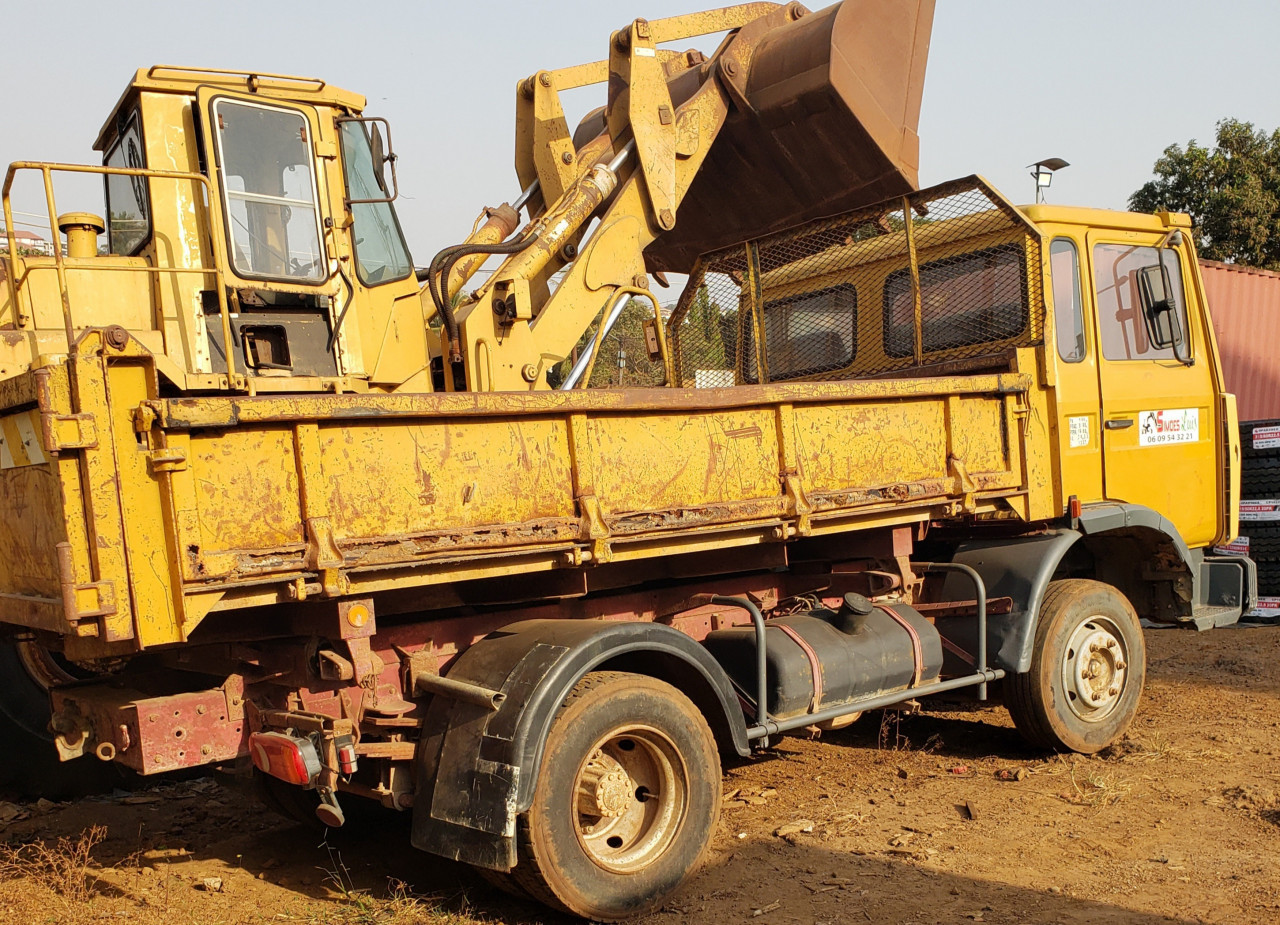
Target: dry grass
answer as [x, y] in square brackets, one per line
[1157, 747]
[399, 906]
[64, 868]
[1098, 788]
[59, 882]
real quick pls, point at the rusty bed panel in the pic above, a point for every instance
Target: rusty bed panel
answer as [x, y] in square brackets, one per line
[226, 502]
[411, 489]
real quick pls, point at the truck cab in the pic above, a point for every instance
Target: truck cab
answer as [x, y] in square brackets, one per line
[1140, 404]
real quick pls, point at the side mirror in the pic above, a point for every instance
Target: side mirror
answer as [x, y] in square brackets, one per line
[356, 133]
[379, 155]
[1160, 310]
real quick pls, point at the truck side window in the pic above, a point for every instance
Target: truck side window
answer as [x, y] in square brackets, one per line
[1064, 269]
[968, 300]
[808, 334]
[269, 191]
[128, 199]
[1123, 329]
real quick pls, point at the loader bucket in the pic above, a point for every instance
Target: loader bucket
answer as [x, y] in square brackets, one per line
[829, 125]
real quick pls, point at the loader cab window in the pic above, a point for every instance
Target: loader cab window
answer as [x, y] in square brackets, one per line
[1124, 330]
[1064, 268]
[269, 192]
[808, 334]
[381, 255]
[128, 198]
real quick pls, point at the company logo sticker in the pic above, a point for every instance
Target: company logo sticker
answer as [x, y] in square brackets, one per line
[1175, 425]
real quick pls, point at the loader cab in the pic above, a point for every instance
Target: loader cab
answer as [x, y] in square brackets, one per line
[255, 225]
[311, 281]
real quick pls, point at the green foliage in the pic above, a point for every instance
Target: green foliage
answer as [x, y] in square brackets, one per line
[708, 336]
[626, 339]
[1231, 191]
[627, 336]
[708, 340]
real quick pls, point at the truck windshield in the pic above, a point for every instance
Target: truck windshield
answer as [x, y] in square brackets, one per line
[269, 191]
[381, 255]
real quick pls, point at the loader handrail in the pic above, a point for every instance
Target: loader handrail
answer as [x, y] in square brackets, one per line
[47, 169]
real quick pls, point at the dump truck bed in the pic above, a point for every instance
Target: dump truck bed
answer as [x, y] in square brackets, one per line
[136, 516]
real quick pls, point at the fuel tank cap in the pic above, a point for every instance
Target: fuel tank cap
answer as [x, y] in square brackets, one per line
[858, 604]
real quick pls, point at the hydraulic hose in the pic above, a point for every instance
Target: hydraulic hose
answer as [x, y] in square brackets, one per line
[437, 280]
[550, 232]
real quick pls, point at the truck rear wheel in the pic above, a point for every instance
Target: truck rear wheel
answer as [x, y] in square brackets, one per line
[30, 766]
[626, 802]
[1087, 669]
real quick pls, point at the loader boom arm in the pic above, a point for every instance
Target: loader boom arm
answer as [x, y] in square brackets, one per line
[794, 116]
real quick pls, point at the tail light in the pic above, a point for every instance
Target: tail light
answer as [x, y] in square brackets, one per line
[346, 746]
[292, 760]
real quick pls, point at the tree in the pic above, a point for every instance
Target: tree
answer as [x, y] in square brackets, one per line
[1232, 193]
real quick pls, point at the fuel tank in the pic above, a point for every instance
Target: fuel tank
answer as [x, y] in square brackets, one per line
[825, 120]
[860, 650]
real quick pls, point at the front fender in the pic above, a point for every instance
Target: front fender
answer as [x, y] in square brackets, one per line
[1021, 567]
[477, 769]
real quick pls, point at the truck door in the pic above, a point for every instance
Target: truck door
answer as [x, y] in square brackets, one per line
[1076, 367]
[1159, 411]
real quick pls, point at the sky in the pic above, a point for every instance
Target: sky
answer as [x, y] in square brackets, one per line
[1104, 85]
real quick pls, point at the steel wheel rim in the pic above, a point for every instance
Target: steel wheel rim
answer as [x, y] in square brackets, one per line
[41, 664]
[631, 796]
[1095, 671]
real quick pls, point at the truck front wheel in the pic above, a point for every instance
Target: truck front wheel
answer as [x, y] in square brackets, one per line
[1087, 669]
[627, 799]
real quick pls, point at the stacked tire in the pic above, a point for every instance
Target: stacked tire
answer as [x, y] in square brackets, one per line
[1260, 507]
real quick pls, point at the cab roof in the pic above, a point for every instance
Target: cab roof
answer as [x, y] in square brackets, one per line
[169, 78]
[1106, 218]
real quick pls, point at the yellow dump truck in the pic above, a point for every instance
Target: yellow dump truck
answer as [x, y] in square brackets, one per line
[526, 559]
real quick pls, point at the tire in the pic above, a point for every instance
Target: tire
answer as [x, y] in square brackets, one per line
[504, 882]
[620, 848]
[1256, 486]
[1083, 627]
[29, 766]
[1246, 441]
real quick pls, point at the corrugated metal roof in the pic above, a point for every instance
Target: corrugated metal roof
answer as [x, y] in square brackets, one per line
[1245, 305]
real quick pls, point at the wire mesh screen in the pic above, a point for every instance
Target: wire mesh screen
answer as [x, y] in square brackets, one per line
[706, 352]
[870, 293]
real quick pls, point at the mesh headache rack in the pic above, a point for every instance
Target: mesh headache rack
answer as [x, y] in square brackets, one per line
[949, 285]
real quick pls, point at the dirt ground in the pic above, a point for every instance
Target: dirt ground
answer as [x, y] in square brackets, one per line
[939, 817]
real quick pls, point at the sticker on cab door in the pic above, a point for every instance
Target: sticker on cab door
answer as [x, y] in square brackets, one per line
[1176, 425]
[1268, 509]
[1079, 430]
[1266, 438]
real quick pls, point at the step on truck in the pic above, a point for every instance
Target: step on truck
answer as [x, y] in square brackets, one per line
[527, 557]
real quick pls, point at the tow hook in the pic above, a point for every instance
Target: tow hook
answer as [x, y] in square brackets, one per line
[329, 812]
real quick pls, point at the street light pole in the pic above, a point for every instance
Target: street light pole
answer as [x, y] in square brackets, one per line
[1042, 172]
